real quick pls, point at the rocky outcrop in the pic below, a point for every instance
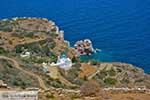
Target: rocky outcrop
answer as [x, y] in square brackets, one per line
[84, 47]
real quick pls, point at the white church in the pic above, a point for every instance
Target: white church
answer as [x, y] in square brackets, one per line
[63, 62]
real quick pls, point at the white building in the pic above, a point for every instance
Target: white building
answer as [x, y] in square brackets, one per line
[63, 62]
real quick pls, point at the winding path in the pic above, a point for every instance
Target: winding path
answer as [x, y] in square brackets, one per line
[41, 82]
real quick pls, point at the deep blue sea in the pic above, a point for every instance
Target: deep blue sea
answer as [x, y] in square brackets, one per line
[120, 28]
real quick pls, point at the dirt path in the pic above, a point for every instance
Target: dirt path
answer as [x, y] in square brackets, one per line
[55, 74]
[41, 82]
[66, 82]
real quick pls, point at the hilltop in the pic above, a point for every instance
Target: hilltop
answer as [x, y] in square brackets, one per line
[27, 43]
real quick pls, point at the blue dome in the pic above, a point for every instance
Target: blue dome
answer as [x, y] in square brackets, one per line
[63, 56]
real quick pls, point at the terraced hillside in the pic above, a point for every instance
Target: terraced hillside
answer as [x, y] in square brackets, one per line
[42, 40]
[40, 37]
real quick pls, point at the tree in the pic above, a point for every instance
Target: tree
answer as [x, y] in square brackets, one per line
[74, 59]
[90, 88]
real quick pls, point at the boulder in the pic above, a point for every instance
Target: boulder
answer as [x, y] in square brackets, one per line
[84, 47]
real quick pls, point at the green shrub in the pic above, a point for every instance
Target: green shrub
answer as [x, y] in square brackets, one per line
[54, 35]
[18, 49]
[111, 72]
[6, 29]
[85, 78]
[15, 34]
[54, 59]
[74, 59]
[56, 83]
[73, 72]
[110, 81]
[73, 87]
[102, 74]
[75, 97]
[2, 51]
[52, 45]
[139, 80]
[50, 96]
[19, 82]
[15, 83]
[30, 24]
[5, 26]
[94, 62]
[29, 35]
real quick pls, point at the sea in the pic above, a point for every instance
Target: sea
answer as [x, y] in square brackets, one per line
[119, 28]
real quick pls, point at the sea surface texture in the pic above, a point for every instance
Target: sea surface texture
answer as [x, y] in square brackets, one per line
[120, 28]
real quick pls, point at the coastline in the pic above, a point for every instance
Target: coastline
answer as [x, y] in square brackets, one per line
[104, 57]
[101, 55]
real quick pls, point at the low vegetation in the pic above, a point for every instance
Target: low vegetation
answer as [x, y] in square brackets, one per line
[94, 62]
[50, 96]
[73, 73]
[110, 81]
[6, 26]
[90, 88]
[14, 77]
[2, 51]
